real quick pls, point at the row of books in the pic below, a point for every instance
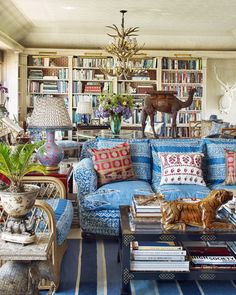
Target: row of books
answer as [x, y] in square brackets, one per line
[94, 87]
[183, 117]
[182, 91]
[182, 77]
[48, 87]
[36, 74]
[83, 62]
[178, 64]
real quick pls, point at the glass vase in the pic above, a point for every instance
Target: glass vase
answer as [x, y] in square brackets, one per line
[115, 124]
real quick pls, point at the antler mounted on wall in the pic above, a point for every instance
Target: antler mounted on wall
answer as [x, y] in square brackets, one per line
[225, 100]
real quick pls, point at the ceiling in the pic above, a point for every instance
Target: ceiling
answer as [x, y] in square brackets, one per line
[163, 24]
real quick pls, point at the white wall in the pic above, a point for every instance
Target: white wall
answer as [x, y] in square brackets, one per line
[226, 69]
[10, 78]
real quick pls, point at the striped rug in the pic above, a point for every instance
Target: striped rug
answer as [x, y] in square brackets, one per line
[91, 268]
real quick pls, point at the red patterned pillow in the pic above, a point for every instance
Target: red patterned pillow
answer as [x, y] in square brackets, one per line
[230, 161]
[113, 164]
[181, 168]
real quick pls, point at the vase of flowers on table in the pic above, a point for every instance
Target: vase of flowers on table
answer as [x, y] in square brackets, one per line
[115, 107]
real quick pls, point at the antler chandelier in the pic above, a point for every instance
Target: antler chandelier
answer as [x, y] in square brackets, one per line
[123, 47]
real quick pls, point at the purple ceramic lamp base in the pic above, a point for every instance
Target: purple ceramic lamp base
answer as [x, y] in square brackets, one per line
[50, 154]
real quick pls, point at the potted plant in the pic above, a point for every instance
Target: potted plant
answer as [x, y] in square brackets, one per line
[115, 106]
[17, 199]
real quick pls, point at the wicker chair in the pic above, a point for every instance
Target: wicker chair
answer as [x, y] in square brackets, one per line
[51, 189]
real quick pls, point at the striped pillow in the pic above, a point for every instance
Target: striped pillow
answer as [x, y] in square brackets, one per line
[230, 162]
[113, 164]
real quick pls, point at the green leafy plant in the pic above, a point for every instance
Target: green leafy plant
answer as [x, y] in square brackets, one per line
[15, 163]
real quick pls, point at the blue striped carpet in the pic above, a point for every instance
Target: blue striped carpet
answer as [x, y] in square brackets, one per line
[91, 268]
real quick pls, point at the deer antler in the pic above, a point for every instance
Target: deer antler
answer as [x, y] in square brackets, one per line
[220, 81]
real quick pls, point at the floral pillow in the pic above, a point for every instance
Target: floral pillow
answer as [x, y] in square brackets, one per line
[113, 164]
[181, 168]
[230, 161]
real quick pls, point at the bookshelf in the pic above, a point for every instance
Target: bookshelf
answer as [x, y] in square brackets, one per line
[180, 75]
[88, 82]
[76, 75]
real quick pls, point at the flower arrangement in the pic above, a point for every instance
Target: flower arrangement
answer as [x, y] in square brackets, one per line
[115, 105]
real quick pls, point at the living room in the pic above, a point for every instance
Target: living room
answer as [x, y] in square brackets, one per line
[60, 57]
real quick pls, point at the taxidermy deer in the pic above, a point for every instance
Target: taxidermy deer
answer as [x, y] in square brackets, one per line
[225, 100]
[164, 102]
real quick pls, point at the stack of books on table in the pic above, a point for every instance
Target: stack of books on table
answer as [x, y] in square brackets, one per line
[146, 211]
[221, 257]
[158, 256]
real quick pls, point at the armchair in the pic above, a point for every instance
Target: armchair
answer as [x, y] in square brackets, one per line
[54, 216]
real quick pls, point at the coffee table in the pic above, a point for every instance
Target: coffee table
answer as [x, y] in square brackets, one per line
[128, 234]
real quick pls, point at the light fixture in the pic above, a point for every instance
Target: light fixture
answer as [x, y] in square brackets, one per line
[50, 114]
[123, 47]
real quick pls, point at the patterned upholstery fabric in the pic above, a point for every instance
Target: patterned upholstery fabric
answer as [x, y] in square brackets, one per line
[181, 168]
[175, 191]
[230, 161]
[170, 146]
[99, 212]
[217, 127]
[140, 154]
[85, 177]
[89, 144]
[113, 164]
[215, 158]
[63, 210]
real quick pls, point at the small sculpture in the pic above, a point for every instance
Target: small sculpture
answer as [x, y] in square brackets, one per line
[178, 214]
[164, 102]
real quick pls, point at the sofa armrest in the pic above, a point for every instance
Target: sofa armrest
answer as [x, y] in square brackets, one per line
[85, 177]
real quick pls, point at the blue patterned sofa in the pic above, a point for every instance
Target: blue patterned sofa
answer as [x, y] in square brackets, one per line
[99, 207]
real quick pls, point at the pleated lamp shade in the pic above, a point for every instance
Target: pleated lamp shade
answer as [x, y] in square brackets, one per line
[50, 113]
[84, 107]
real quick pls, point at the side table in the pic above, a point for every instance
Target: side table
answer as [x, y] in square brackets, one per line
[25, 266]
[65, 174]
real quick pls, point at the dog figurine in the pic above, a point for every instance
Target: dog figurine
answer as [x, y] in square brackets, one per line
[177, 214]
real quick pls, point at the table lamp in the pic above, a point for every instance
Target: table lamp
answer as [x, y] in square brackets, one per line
[84, 108]
[50, 114]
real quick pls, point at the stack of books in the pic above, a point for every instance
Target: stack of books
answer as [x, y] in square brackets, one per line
[146, 211]
[158, 256]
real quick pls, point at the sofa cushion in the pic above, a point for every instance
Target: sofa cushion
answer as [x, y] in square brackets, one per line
[63, 211]
[140, 154]
[230, 162]
[215, 158]
[181, 168]
[89, 144]
[113, 164]
[111, 196]
[172, 146]
[175, 191]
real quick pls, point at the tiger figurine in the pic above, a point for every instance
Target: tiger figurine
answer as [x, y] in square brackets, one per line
[178, 214]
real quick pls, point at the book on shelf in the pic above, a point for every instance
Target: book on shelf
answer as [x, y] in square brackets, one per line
[155, 245]
[158, 258]
[145, 214]
[159, 265]
[216, 260]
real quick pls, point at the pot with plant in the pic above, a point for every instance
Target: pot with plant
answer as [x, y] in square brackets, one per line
[17, 198]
